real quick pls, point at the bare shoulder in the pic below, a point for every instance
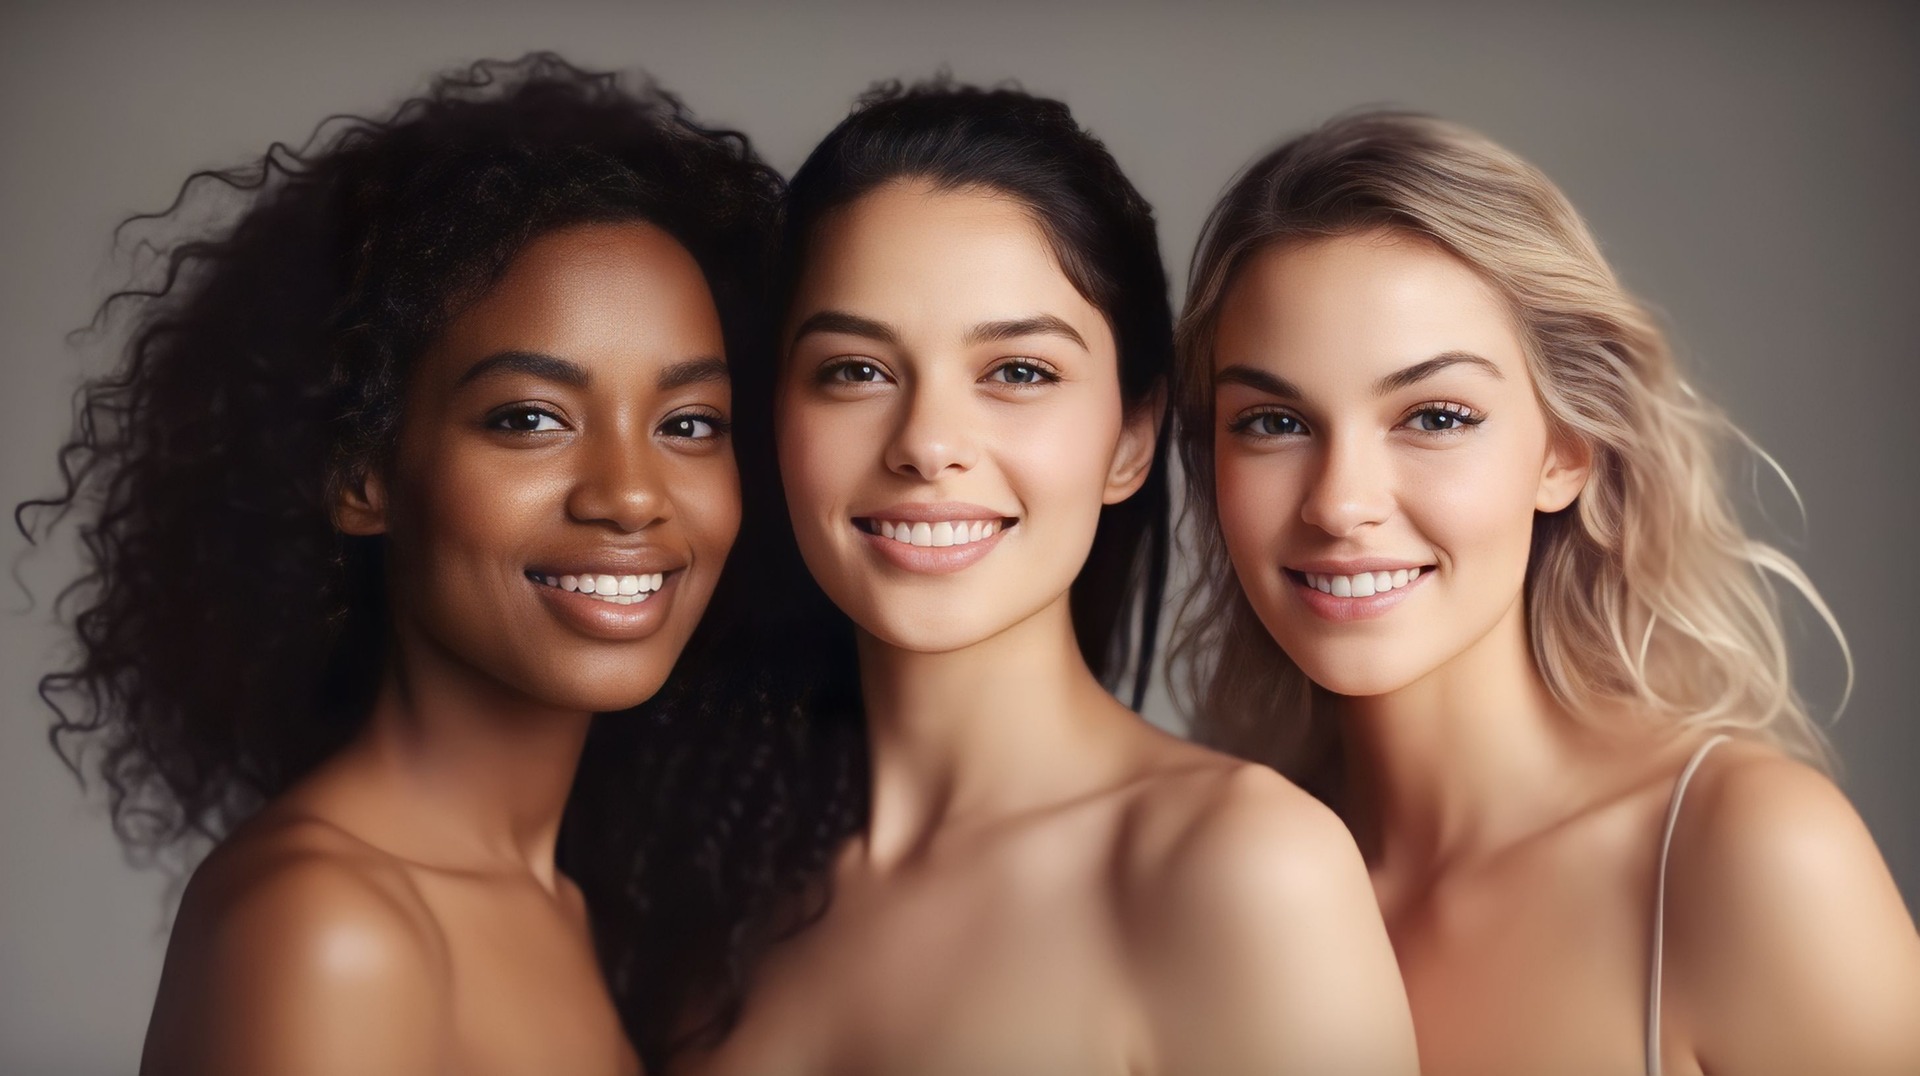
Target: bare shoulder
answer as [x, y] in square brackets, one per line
[1263, 947]
[297, 949]
[1759, 824]
[1787, 935]
[1217, 826]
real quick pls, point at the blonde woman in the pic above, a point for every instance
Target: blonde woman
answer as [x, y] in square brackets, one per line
[1476, 582]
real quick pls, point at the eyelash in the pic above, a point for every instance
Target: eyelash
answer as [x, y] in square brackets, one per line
[719, 424]
[832, 373]
[1464, 417]
[1042, 374]
[499, 419]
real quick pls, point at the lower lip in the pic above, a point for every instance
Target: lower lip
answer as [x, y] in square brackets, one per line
[1329, 607]
[604, 620]
[932, 559]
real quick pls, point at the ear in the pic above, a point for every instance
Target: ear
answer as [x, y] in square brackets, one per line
[359, 505]
[1133, 456]
[1569, 462]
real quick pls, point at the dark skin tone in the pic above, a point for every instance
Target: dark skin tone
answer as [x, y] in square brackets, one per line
[399, 910]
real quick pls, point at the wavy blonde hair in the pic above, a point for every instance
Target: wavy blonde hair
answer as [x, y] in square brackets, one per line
[1646, 591]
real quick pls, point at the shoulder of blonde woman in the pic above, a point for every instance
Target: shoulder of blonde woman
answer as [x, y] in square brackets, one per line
[1788, 948]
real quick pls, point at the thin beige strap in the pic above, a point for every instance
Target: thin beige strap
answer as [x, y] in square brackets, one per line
[1660, 902]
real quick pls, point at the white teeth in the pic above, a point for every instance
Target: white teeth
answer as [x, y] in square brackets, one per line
[1363, 584]
[617, 589]
[940, 535]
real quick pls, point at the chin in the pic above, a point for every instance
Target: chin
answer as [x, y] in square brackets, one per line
[602, 702]
[1356, 675]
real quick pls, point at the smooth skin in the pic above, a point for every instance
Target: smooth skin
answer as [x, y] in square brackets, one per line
[1047, 884]
[1374, 402]
[399, 910]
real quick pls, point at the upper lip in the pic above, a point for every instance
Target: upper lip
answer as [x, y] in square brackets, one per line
[941, 511]
[611, 562]
[1358, 565]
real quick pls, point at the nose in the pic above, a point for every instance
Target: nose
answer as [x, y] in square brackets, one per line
[934, 436]
[617, 484]
[1351, 489]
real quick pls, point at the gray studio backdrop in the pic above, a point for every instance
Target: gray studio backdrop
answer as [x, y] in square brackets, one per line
[1750, 170]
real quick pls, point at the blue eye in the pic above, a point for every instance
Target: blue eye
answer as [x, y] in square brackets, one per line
[525, 420]
[1442, 418]
[694, 427]
[1269, 424]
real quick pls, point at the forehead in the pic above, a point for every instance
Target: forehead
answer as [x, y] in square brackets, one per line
[932, 259]
[624, 293]
[1363, 304]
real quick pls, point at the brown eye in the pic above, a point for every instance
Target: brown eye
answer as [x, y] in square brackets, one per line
[694, 427]
[1270, 424]
[525, 420]
[853, 372]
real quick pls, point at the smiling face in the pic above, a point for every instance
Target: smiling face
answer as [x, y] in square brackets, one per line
[1379, 456]
[949, 418]
[563, 492]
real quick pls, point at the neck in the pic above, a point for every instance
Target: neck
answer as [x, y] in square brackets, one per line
[1466, 759]
[1011, 723]
[470, 773]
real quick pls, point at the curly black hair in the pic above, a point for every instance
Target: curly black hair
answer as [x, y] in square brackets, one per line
[229, 639]
[771, 872]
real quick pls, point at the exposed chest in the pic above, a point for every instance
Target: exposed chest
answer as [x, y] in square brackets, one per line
[1003, 968]
[1538, 963]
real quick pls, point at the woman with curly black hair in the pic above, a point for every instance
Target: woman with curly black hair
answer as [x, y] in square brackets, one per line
[414, 464]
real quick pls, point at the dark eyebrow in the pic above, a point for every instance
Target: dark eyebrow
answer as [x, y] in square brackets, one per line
[839, 321]
[692, 372]
[1037, 325]
[1258, 379]
[1420, 371]
[548, 367]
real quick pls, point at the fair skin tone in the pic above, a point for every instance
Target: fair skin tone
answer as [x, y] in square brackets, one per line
[399, 911]
[1375, 414]
[1046, 883]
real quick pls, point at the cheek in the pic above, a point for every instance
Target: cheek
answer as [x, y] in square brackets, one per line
[1057, 454]
[821, 450]
[706, 499]
[454, 498]
[1477, 506]
[1257, 496]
